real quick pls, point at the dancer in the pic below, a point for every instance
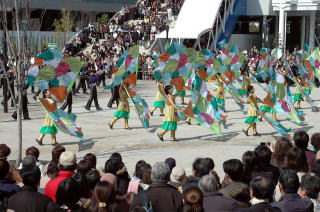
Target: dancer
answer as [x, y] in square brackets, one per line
[93, 79]
[298, 95]
[252, 118]
[123, 110]
[245, 83]
[48, 126]
[171, 117]
[182, 94]
[159, 102]
[265, 108]
[219, 95]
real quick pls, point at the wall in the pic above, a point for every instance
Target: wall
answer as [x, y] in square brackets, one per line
[259, 7]
[245, 41]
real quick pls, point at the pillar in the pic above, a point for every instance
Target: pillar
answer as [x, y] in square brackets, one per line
[264, 32]
[312, 29]
[281, 27]
[303, 31]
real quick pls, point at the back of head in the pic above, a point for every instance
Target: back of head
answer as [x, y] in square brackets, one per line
[160, 172]
[138, 167]
[4, 168]
[296, 160]
[249, 157]
[193, 198]
[103, 196]
[34, 151]
[56, 152]
[210, 163]
[315, 141]
[68, 193]
[53, 169]
[112, 166]
[310, 183]
[178, 175]
[200, 167]
[301, 140]
[171, 162]
[4, 151]
[31, 176]
[208, 184]
[316, 168]
[145, 173]
[289, 181]
[83, 167]
[234, 169]
[116, 156]
[262, 155]
[67, 161]
[92, 159]
[92, 178]
[262, 187]
[281, 147]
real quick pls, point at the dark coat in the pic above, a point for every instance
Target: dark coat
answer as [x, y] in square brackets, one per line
[29, 200]
[7, 189]
[163, 198]
[215, 202]
[239, 192]
[293, 202]
[260, 207]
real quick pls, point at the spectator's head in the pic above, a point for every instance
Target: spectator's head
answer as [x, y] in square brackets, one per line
[208, 184]
[4, 168]
[310, 186]
[4, 151]
[262, 156]
[116, 156]
[301, 140]
[233, 169]
[53, 170]
[249, 157]
[56, 152]
[262, 187]
[281, 147]
[138, 167]
[160, 172]
[288, 182]
[34, 151]
[200, 167]
[192, 200]
[210, 163]
[316, 168]
[103, 197]
[92, 159]
[315, 141]
[296, 160]
[177, 175]
[110, 178]
[68, 193]
[67, 161]
[31, 177]
[171, 163]
[145, 174]
[28, 162]
[113, 166]
[83, 166]
[92, 178]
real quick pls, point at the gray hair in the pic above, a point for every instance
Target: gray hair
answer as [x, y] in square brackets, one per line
[160, 172]
[207, 183]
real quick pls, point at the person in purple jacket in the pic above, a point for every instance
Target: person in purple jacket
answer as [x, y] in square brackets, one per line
[93, 79]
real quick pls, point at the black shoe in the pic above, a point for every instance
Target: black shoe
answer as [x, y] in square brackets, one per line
[99, 108]
[110, 125]
[55, 144]
[151, 113]
[87, 108]
[27, 118]
[257, 134]
[161, 114]
[39, 142]
[14, 116]
[161, 139]
[110, 106]
[245, 132]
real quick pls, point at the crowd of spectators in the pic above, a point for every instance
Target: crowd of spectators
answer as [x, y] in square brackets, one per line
[281, 177]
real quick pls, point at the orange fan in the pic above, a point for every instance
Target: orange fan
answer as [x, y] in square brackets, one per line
[131, 79]
[178, 83]
[49, 107]
[59, 92]
[188, 111]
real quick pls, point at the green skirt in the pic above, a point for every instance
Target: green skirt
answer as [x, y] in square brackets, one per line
[297, 97]
[159, 104]
[267, 109]
[242, 92]
[251, 120]
[169, 125]
[180, 93]
[220, 101]
[49, 130]
[121, 114]
[307, 91]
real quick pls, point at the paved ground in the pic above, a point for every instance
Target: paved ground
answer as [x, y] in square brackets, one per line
[138, 143]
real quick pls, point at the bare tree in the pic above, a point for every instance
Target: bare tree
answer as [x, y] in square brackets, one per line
[63, 26]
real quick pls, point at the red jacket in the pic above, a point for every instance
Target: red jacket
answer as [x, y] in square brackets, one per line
[52, 186]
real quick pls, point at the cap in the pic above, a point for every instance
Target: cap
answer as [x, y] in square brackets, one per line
[67, 158]
[178, 174]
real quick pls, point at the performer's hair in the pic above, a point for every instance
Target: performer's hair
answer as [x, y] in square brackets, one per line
[250, 89]
[167, 88]
[44, 93]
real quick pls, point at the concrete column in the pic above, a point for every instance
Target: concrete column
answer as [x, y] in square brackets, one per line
[281, 27]
[285, 31]
[264, 32]
[312, 29]
[303, 31]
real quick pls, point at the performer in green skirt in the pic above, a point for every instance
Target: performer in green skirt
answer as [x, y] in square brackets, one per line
[253, 117]
[123, 110]
[182, 94]
[265, 108]
[219, 95]
[48, 126]
[297, 94]
[245, 83]
[159, 102]
[171, 117]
